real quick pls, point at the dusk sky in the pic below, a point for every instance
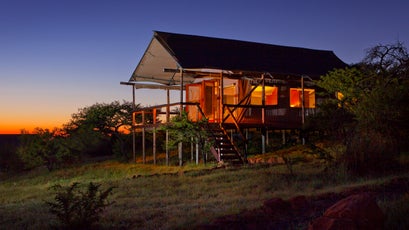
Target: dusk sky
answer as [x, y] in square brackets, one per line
[57, 56]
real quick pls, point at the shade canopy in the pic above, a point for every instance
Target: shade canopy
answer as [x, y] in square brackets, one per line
[195, 55]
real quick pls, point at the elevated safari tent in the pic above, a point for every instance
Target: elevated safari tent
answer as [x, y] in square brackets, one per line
[235, 85]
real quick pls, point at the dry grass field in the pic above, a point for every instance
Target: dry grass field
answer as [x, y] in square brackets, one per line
[171, 197]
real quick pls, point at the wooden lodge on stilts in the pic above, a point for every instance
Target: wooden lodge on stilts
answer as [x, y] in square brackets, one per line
[236, 85]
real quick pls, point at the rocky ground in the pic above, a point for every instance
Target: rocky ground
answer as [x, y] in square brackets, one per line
[299, 212]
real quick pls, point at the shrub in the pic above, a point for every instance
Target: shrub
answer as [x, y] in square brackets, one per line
[79, 209]
[370, 152]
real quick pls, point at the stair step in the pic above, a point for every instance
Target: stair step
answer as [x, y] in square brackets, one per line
[225, 148]
[228, 151]
[223, 145]
[229, 157]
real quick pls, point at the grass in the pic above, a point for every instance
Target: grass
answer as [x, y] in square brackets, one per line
[161, 197]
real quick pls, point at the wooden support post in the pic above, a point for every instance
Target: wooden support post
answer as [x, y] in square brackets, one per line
[221, 96]
[167, 147]
[181, 91]
[263, 99]
[143, 138]
[180, 154]
[245, 144]
[191, 149]
[133, 125]
[283, 137]
[263, 140]
[154, 137]
[180, 145]
[263, 114]
[197, 151]
[267, 137]
[302, 110]
[167, 121]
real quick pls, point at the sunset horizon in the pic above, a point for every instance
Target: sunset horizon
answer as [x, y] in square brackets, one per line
[12, 128]
[57, 58]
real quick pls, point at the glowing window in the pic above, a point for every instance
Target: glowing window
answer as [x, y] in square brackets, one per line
[296, 98]
[230, 94]
[339, 96]
[271, 95]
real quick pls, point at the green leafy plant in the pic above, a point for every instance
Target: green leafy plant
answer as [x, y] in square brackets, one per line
[79, 209]
[182, 129]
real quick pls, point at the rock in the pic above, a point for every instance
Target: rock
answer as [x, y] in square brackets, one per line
[358, 211]
[298, 203]
[277, 207]
[251, 160]
[280, 160]
[271, 160]
[332, 224]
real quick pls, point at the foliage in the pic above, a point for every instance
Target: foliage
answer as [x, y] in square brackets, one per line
[76, 209]
[373, 97]
[102, 117]
[84, 141]
[181, 129]
[44, 147]
[96, 128]
[122, 147]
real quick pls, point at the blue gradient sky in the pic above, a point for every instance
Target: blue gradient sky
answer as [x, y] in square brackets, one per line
[57, 56]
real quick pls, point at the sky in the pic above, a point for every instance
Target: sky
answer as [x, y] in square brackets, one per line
[57, 56]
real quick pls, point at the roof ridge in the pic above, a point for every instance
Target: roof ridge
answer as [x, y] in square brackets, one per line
[162, 33]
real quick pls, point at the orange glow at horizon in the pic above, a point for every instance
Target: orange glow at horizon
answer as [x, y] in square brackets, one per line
[10, 124]
[12, 128]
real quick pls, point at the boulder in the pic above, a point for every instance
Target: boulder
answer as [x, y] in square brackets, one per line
[277, 207]
[358, 211]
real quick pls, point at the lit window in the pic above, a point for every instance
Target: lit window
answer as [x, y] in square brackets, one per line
[339, 96]
[296, 98]
[271, 95]
[230, 94]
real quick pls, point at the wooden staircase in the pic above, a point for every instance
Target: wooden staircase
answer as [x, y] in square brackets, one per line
[223, 148]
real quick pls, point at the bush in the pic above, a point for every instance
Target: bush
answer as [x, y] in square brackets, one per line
[76, 209]
[44, 148]
[370, 152]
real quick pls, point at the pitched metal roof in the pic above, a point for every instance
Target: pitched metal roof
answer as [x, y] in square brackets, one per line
[191, 52]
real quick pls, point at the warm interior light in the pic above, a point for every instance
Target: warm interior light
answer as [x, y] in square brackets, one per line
[271, 95]
[339, 95]
[296, 98]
